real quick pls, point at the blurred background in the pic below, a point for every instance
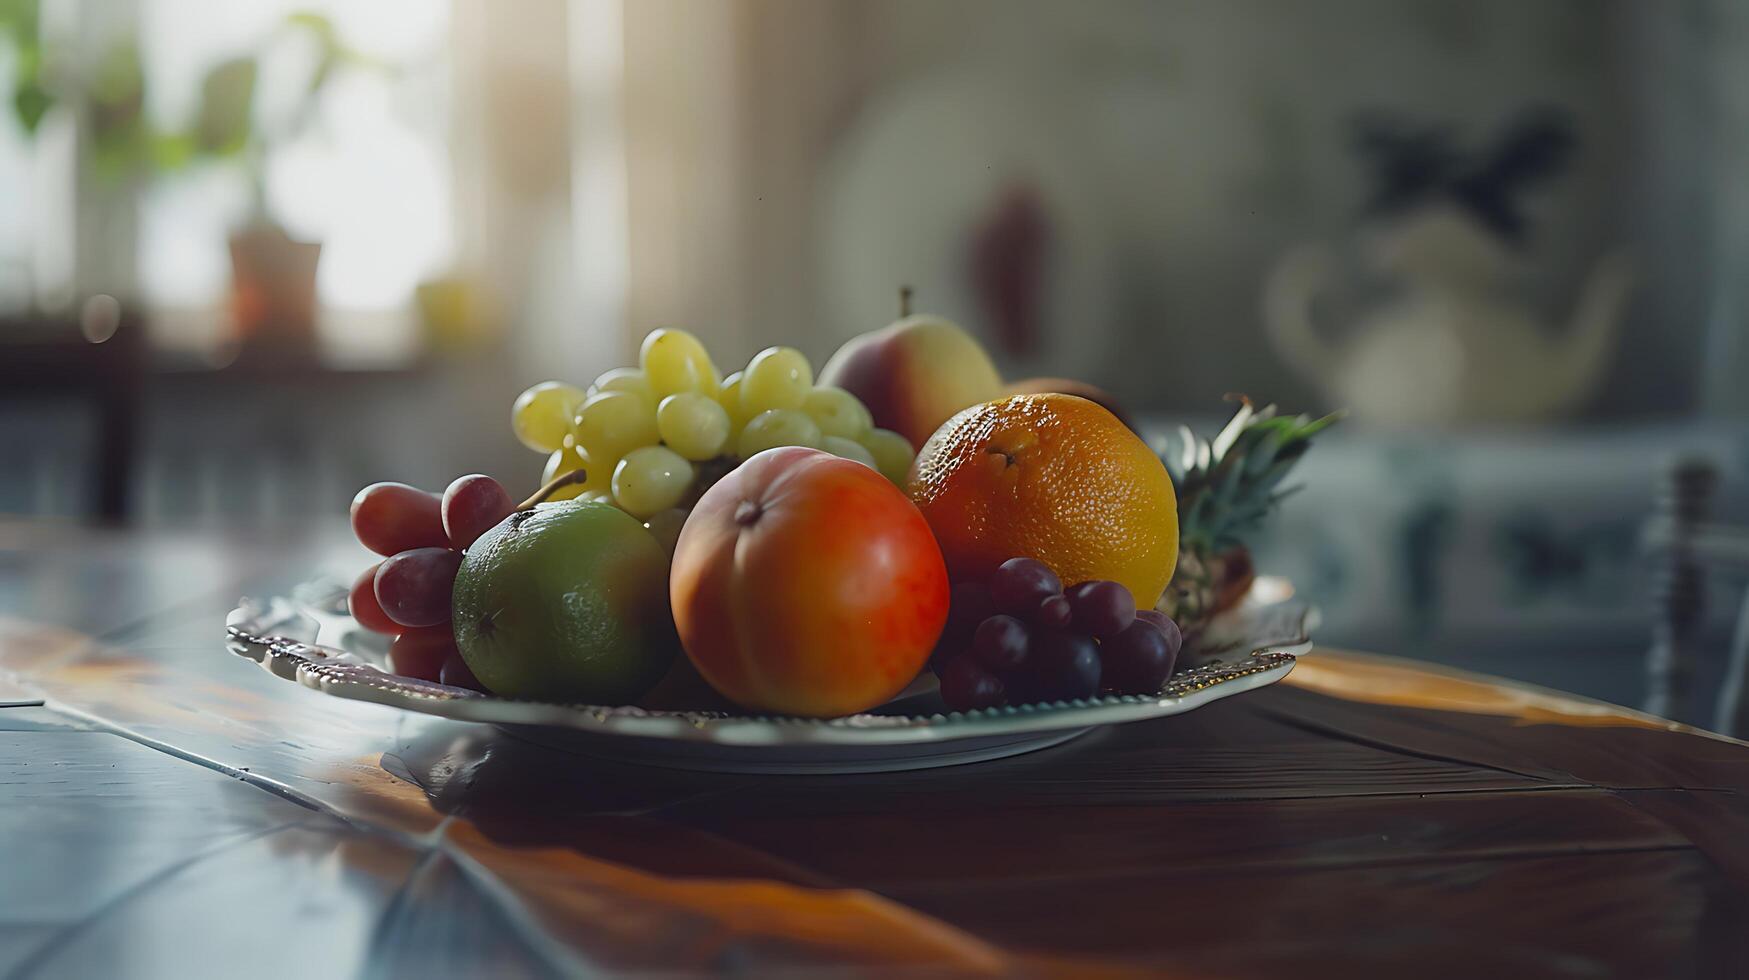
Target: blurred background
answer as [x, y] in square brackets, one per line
[254, 256]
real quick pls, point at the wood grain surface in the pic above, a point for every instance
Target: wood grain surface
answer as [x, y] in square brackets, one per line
[168, 809]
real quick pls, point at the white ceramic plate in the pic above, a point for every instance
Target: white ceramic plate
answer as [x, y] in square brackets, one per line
[306, 639]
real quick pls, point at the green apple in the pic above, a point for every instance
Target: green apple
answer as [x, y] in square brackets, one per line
[566, 602]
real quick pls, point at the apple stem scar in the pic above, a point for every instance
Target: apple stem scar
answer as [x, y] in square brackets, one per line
[747, 513]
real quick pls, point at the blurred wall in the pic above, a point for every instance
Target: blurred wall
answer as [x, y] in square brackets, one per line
[791, 161]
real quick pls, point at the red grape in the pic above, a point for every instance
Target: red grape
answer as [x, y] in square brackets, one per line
[1138, 660]
[1102, 609]
[1052, 612]
[422, 652]
[1063, 666]
[1000, 643]
[965, 686]
[390, 518]
[1168, 628]
[943, 654]
[414, 586]
[969, 606]
[457, 673]
[362, 602]
[1020, 584]
[472, 506]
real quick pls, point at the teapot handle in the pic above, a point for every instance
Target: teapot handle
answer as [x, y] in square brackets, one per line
[1288, 294]
[1596, 321]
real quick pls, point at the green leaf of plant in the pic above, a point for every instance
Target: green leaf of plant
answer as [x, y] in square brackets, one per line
[31, 102]
[317, 24]
[19, 18]
[172, 151]
[226, 97]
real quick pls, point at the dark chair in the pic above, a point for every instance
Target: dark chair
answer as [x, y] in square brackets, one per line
[1689, 551]
[100, 361]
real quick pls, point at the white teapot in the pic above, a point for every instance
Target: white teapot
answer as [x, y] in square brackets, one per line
[1452, 347]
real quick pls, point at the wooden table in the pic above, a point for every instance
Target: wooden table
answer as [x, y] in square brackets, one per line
[168, 809]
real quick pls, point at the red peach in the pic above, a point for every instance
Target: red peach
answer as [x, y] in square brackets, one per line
[806, 584]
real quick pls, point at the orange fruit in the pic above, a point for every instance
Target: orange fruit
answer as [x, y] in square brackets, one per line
[1052, 477]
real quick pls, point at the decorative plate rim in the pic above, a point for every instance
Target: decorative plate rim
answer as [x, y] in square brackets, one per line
[338, 673]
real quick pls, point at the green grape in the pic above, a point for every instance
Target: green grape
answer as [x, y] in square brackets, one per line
[693, 425]
[565, 461]
[625, 379]
[650, 479]
[666, 525]
[542, 415]
[849, 449]
[777, 427]
[838, 412]
[613, 423]
[892, 453]
[675, 361]
[777, 377]
[596, 497]
[729, 396]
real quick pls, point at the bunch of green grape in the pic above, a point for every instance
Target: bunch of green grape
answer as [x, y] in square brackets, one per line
[650, 438]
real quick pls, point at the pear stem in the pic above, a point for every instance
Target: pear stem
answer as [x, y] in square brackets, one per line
[904, 302]
[553, 486]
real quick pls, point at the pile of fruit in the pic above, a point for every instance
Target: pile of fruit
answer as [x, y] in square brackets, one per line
[807, 547]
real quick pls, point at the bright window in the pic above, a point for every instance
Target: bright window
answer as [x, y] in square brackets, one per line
[362, 167]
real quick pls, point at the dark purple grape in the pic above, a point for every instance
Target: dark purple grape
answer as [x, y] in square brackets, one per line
[946, 653]
[1168, 628]
[965, 686]
[1138, 660]
[1062, 666]
[1155, 616]
[1053, 613]
[1000, 643]
[1021, 583]
[414, 586]
[969, 605]
[1102, 609]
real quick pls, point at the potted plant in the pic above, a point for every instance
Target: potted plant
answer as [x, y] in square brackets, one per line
[273, 282]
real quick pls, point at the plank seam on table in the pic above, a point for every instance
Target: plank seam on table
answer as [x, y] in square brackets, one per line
[1331, 731]
[490, 880]
[517, 913]
[73, 930]
[555, 958]
[244, 775]
[1732, 869]
[433, 842]
[399, 899]
[1295, 867]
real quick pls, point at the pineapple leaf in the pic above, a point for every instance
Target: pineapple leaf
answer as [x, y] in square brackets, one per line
[1187, 452]
[1227, 487]
[1235, 426]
